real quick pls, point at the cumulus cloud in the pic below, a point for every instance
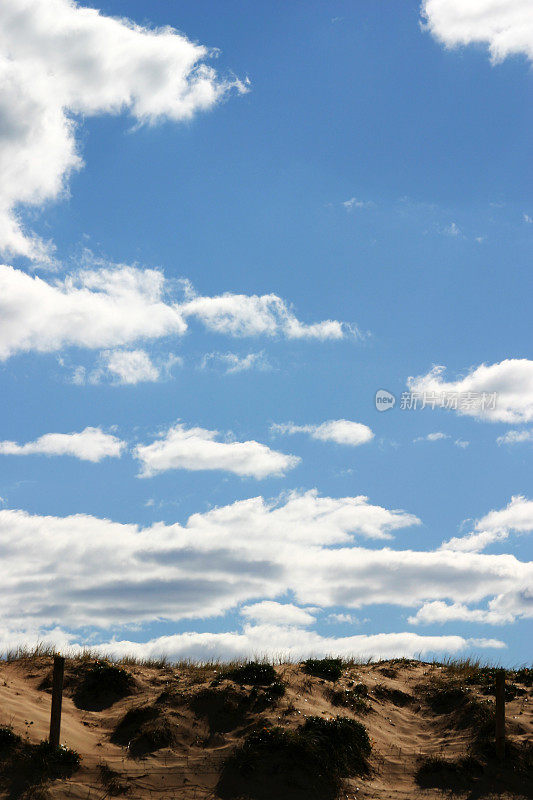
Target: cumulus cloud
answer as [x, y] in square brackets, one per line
[341, 431]
[269, 612]
[496, 526]
[432, 437]
[233, 363]
[92, 309]
[506, 27]
[60, 62]
[91, 444]
[113, 306]
[515, 437]
[501, 392]
[197, 449]
[81, 570]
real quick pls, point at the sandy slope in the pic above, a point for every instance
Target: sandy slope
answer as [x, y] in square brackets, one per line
[403, 729]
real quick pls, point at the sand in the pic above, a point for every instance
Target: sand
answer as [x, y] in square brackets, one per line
[403, 729]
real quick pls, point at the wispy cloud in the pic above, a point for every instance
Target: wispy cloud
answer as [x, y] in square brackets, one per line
[232, 363]
[127, 367]
[432, 437]
[340, 431]
[515, 437]
[353, 203]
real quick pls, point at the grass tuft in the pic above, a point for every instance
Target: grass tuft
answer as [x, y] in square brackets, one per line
[328, 668]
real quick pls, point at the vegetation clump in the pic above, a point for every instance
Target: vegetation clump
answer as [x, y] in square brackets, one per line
[254, 673]
[111, 781]
[328, 668]
[225, 708]
[354, 698]
[101, 684]
[25, 768]
[394, 696]
[447, 775]
[8, 740]
[311, 761]
[144, 730]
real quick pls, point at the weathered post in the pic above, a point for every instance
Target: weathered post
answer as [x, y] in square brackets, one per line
[500, 714]
[57, 696]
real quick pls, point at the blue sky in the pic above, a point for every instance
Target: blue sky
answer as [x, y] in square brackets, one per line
[212, 262]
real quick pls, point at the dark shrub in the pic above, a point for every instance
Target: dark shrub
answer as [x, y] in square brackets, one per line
[328, 668]
[296, 765]
[443, 699]
[267, 696]
[349, 698]
[8, 740]
[525, 676]
[224, 709]
[51, 762]
[253, 674]
[144, 730]
[102, 684]
[394, 696]
[449, 776]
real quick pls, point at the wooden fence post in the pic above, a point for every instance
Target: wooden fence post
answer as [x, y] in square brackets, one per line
[500, 714]
[57, 696]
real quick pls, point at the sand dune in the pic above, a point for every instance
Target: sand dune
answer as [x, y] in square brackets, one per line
[185, 721]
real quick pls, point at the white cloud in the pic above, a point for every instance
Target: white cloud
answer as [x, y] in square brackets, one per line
[515, 437]
[452, 229]
[510, 381]
[113, 306]
[91, 444]
[127, 367]
[437, 613]
[92, 309]
[462, 443]
[233, 363]
[496, 526]
[197, 449]
[254, 315]
[60, 62]
[353, 202]
[342, 619]
[432, 437]
[506, 26]
[84, 571]
[272, 641]
[131, 366]
[341, 431]
[269, 612]
[527, 219]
